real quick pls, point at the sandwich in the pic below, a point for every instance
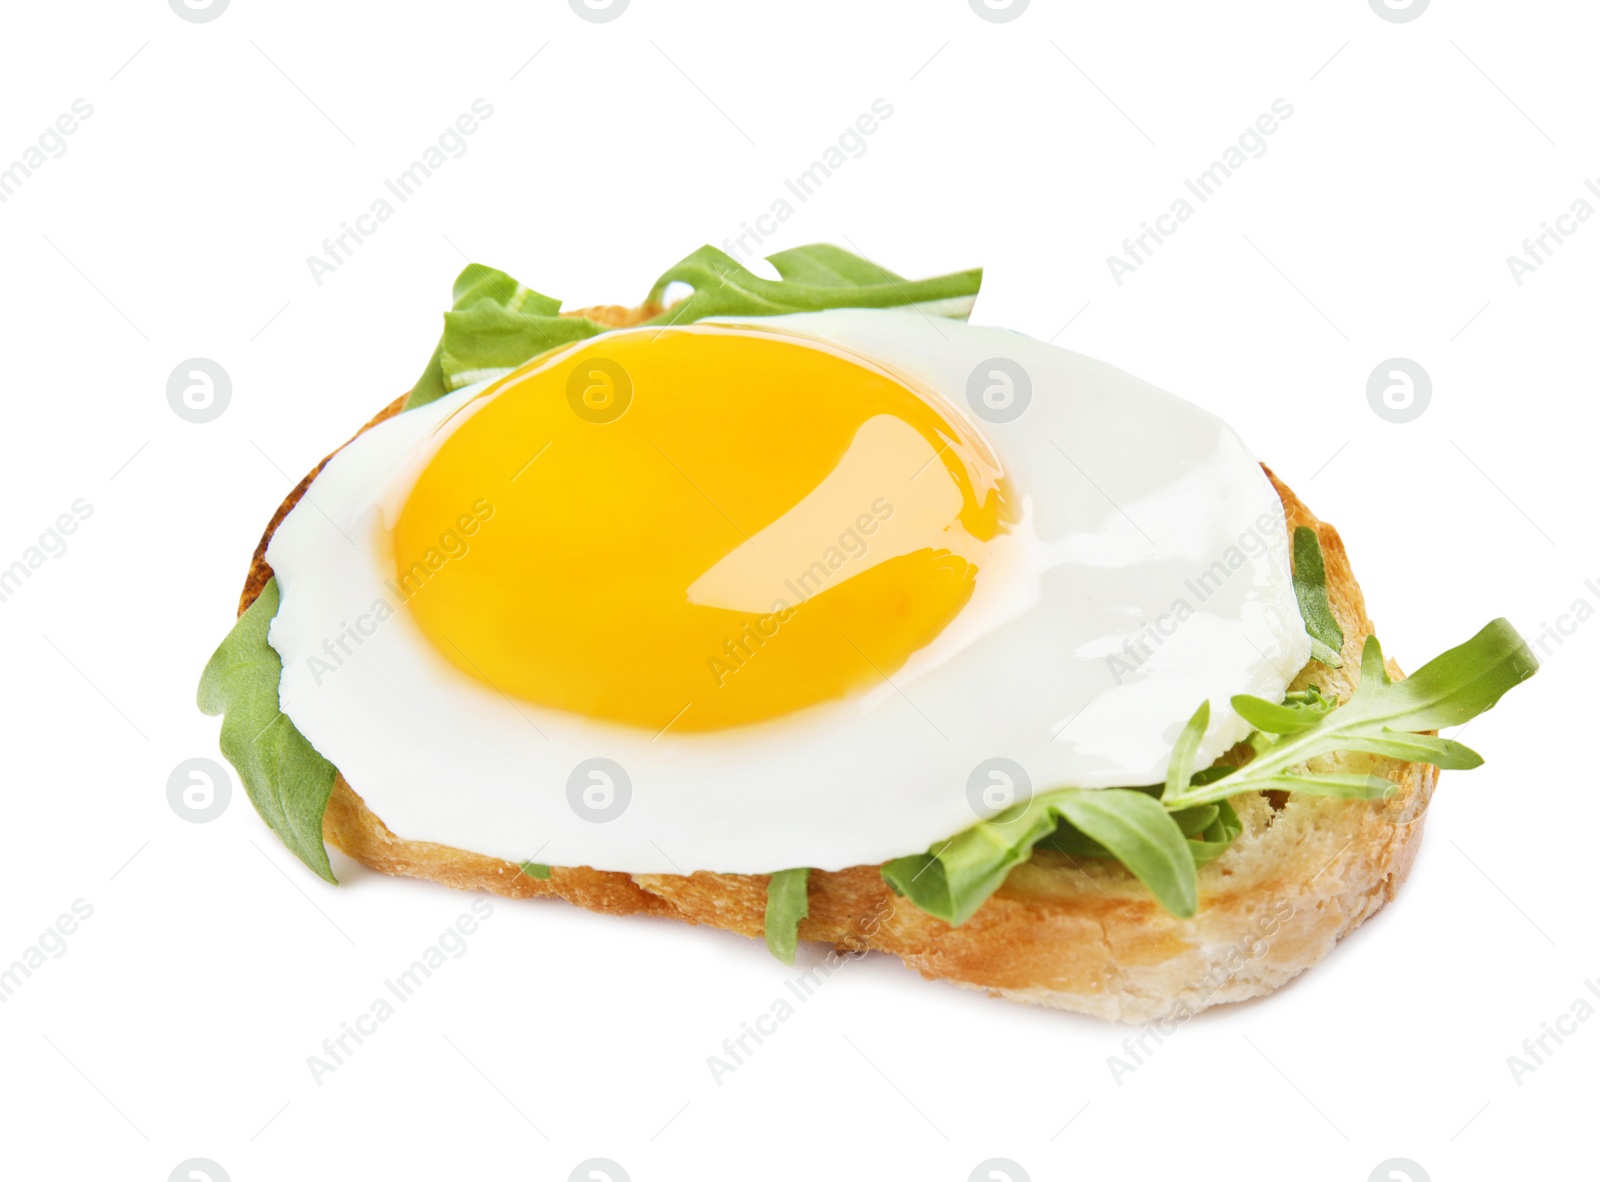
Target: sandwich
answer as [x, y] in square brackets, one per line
[800, 606]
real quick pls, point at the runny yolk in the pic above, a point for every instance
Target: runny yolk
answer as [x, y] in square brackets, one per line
[695, 528]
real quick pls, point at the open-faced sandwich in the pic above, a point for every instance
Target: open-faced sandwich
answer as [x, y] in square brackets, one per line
[804, 608]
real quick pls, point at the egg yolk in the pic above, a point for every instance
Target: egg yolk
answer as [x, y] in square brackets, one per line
[695, 528]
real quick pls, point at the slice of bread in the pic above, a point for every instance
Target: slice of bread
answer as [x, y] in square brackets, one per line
[1075, 934]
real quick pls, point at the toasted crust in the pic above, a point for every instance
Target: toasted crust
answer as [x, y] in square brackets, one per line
[1079, 935]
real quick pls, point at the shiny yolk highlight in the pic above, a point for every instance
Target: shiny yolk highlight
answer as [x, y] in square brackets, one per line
[697, 528]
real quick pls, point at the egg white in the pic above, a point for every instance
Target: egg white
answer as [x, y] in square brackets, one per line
[1072, 660]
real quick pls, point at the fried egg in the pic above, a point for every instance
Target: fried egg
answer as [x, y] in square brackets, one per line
[809, 590]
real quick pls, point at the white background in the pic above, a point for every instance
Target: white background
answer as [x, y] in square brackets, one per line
[177, 224]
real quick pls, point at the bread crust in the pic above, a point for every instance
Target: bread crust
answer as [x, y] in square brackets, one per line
[1074, 934]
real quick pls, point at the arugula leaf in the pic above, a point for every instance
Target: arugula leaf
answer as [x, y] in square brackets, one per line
[1068, 839]
[787, 905]
[1299, 711]
[495, 323]
[1198, 819]
[1456, 686]
[1181, 766]
[1164, 832]
[1217, 836]
[1445, 754]
[813, 278]
[953, 880]
[285, 778]
[493, 326]
[1382, 717]
[1311, 592]
[534, 870]
[1143, 837]
[823, 265]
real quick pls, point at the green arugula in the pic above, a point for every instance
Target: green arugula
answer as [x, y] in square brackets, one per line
[287, 781]
[1151, 831]
[493, 326]
[812, 278]
[1210, 829]
[495, 323]
[787, 905]
[1311, 592]
[1383, 717]
[953, 880]
[534, 870]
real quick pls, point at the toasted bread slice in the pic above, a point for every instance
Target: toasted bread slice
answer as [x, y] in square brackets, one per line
[1075, 934]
